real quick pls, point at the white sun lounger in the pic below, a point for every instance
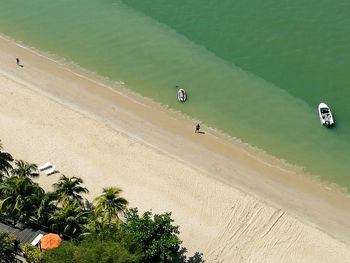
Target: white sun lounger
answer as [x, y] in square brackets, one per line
[44, 166]
[51, 170]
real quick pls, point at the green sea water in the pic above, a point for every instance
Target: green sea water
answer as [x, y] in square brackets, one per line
[255, 70]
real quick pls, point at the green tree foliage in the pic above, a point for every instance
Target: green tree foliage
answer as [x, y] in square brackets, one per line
[8, 248]
[69, 219]
[46, 208]
[96, 226]
[113, 248]
[20, 197]
[157, 236]
[69, 189]
[32, 253]
[110, 204]
[5, 162]
[25, 169]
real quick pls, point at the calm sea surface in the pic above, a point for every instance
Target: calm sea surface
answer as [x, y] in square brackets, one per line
[253, 69]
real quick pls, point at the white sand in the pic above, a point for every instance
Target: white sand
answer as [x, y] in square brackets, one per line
[230, 206]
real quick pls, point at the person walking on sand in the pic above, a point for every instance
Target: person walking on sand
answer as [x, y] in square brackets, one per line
[18, 64]
[197, 128]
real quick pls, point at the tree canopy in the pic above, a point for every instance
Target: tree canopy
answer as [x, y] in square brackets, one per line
[26, 169]
[69, 219]
[109, 204]
[8, 248]
[113, 248]
[69, 189]
[20, 197]
[5, 162]
[32, 254]
[156, 234]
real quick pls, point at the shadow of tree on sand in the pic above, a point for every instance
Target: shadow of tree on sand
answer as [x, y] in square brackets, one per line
[181, 257]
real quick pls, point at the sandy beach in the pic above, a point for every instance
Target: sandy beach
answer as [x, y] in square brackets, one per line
[232, 203]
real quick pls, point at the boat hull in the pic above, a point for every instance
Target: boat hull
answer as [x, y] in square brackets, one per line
[325, 114]
[181, 95]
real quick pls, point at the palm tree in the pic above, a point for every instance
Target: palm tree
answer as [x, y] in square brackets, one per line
[46, 209]
[19, 198]
[69, 219]
[97, 226]
[26, 169]
[69, 189]
[5, 162]
[110, 204]
[94, 225]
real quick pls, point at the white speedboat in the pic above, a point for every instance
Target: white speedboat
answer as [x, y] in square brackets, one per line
[181, 95]
[326, 116]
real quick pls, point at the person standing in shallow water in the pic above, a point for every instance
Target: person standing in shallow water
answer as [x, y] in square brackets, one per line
[197, 128]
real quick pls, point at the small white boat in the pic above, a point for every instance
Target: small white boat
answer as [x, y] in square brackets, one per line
[326, 116]
[181, 95]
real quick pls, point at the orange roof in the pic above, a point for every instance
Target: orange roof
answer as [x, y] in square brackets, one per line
[50, 241]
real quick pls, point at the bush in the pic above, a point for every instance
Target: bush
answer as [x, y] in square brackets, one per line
[8, 247]
[93, 249]
[32, 253]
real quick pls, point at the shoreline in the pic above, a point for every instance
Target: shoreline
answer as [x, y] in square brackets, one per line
[210, 157]
[119, 87]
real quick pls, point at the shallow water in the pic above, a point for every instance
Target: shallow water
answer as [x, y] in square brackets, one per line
[256, 70]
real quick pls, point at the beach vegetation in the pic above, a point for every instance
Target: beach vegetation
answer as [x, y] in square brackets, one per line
[110, 204]
[114, 247]
[5, 162]
[31, 253]
[69, 189]
[47, 207]
[23, 168]
[19, 198]
[8, 248]
[156, 234]
[69, 219]
[104, 230]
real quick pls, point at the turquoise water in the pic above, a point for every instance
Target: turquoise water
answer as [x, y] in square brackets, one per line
[253, 69]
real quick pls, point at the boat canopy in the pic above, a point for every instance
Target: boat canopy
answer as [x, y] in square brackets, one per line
[324, 110]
